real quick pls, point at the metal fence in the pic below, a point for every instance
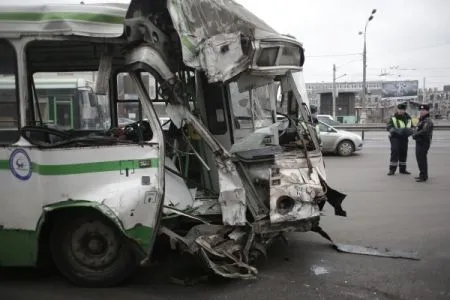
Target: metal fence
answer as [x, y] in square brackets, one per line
[379, 127]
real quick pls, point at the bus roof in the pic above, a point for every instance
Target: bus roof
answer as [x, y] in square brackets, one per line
[91, 20]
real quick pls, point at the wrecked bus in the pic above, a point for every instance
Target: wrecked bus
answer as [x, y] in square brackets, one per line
[221, 181]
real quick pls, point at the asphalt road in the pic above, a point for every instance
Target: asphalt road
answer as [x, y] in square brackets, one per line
[385, 212]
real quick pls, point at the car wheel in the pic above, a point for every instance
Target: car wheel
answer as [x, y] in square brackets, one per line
[345, 148]
[91, 252]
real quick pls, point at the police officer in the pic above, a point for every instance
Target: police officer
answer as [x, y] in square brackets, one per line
[399, 127]
[423, 136]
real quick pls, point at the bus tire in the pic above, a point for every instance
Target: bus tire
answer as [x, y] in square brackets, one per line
[90, 251]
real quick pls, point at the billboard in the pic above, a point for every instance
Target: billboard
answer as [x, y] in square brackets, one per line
[400, 89]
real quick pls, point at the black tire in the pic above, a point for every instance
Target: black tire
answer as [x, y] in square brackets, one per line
[345, 148]
[91, 252]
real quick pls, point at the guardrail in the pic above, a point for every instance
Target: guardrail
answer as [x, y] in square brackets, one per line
[377, 127]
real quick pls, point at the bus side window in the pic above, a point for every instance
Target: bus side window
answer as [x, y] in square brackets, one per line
[9, 113]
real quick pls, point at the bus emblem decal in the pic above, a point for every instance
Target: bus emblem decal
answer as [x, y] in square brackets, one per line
[20, 164]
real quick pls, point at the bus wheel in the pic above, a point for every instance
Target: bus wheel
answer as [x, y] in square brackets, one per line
[91, 252]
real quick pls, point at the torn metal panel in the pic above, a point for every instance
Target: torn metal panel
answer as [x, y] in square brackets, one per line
[294, 191]
[376, 252]
[367, 250]
[232, 197]
[198, 20]
[223, 29]
[222, 249]
[222, 57]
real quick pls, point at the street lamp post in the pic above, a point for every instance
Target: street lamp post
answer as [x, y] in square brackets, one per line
[364, 88]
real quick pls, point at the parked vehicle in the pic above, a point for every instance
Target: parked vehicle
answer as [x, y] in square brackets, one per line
[327, 119]
[342, 142]
[94, 201]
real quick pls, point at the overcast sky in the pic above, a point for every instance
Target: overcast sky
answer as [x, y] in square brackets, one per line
[413, 34]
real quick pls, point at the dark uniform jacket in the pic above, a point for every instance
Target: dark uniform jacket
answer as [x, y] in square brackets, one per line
[394, 128]
[424, 133]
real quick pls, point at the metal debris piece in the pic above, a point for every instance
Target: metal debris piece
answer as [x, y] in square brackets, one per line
[367, 250]
[376, 252]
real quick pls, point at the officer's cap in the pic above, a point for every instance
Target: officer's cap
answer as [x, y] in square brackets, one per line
[401, 106]
[424, 107]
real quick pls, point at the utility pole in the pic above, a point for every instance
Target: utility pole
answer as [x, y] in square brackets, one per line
[364, 100]
[363, 117]
[334, 92]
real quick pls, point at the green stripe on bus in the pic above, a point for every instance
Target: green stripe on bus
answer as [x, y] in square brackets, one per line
[142, 235]
[94, 167]
[59, 16]
[4, 164]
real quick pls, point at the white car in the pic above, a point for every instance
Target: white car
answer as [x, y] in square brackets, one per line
[342, 142]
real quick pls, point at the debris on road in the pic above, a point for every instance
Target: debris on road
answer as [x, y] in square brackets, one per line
[355, 249]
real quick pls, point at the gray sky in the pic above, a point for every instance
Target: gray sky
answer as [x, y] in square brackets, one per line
[409, 34]
[413, 34]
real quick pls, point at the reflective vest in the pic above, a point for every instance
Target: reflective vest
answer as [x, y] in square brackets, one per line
[400, 124]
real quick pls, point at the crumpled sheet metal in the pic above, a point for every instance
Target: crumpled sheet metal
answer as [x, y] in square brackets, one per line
[232, 198]
[222, 250]
[205, 26]
[294, 181]
[222, 57]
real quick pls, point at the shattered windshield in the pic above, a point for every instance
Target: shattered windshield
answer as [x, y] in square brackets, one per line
[253, 110]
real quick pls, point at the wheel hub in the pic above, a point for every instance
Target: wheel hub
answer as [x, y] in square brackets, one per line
[94, 245]
[346, 148]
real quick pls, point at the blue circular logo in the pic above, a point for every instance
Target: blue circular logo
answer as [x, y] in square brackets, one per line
[20, 164]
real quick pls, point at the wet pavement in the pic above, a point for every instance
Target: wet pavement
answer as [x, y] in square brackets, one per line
[385, 212]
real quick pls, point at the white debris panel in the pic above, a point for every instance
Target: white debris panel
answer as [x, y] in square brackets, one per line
[210, 33]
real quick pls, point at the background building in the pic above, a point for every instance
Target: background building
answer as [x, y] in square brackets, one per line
[382, 99]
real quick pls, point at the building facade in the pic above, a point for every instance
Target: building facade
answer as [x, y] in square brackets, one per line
[382, 99]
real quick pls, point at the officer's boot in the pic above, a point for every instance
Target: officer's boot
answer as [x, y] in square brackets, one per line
[403, 169]
[392, 170]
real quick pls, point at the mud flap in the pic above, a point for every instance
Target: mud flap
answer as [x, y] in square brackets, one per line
[355, 249]
[335, 199]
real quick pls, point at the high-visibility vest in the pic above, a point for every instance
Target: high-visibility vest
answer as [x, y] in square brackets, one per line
[400, 124]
